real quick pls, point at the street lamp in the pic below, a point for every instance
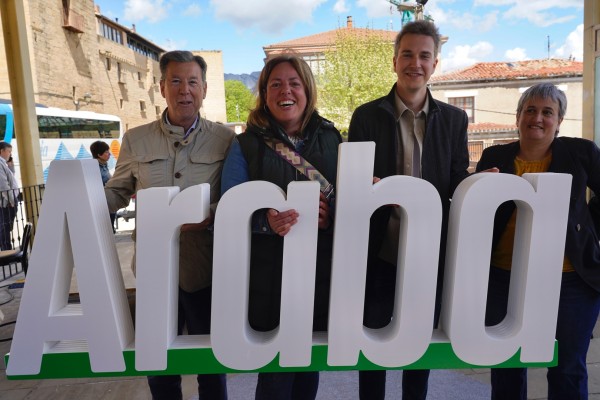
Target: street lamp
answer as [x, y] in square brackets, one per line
[86, 97]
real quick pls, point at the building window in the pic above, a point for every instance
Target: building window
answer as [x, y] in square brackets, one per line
[157, 111]
[142, 48]
[142, 106]
[120, 73]
[107, 64]
[121, 103]
[111, 33]
[466, 103]
[315, 62]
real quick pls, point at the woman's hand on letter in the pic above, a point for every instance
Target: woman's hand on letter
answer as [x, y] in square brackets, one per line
[282, 222]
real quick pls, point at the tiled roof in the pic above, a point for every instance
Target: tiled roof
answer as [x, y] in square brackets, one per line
[491, 127]
[498, 71]
[328, 38]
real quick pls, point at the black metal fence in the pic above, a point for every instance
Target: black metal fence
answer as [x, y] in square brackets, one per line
[17, 208]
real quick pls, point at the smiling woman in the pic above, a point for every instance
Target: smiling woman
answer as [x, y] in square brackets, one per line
[540, 112]
[284, 121]
[286, 99]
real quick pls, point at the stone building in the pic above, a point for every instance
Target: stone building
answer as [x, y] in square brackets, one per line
[312, 48]
[489, 93]
[82, 60]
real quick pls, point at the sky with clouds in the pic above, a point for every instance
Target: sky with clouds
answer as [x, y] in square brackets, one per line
[477, 30]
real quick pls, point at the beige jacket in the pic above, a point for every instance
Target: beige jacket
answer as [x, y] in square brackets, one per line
[156, 155]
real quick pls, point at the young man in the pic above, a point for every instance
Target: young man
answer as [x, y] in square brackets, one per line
[419, 136]
[181, 149]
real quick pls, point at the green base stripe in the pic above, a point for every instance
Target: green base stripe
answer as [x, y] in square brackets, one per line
[203, 361]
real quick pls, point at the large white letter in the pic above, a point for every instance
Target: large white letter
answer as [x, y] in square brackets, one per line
[73, 230]
[234, 343]
[407, 337]
[160, 212]
[543, 204]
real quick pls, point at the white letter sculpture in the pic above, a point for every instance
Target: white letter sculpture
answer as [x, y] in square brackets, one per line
[543, 205]
[407, 337]
[73, 230]
[234, 343]
[160, 213]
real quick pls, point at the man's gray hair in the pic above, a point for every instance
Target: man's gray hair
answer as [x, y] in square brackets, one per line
[181, 56]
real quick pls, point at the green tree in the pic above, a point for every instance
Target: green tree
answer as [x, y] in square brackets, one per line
[239, 100]
[357, 69]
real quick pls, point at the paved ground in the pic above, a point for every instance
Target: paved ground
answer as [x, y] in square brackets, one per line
[444, 384]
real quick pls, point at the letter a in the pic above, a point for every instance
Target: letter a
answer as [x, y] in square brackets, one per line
[73, 230]
[530, 324]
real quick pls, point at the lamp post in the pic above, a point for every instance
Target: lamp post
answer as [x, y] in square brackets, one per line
[86, 97]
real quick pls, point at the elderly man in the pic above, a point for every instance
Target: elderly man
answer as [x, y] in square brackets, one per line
[181, 149]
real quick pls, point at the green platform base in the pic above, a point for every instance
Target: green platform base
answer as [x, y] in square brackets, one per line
[200, 361]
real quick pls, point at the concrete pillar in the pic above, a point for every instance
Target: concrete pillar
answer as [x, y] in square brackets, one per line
[21, 90]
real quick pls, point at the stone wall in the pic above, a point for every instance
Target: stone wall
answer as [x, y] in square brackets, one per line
[213, 106]
[67, 65]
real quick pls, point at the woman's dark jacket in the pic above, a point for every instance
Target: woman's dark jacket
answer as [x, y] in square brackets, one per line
[321, 150]
[581, 159]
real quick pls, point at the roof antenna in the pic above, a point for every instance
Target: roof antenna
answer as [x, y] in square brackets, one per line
[548, 47]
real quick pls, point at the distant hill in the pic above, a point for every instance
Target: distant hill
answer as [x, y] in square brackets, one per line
[248, 80]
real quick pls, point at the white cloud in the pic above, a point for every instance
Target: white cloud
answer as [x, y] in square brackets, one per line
[193, 10]
[439, 15]
[171, 44]
[462, 20]
[376, 8]
[340, 7]
[150, 10]
[539, 12]
[493, 2]
[516, 54]
[536, 3]
[573, 45]
[271, 16]
[487, 22]
[463, 56]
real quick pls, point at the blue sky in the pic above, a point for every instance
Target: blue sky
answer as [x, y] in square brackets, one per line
[478, 30]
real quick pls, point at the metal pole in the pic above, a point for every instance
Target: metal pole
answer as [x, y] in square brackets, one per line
[21, 90]
[20, 79]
